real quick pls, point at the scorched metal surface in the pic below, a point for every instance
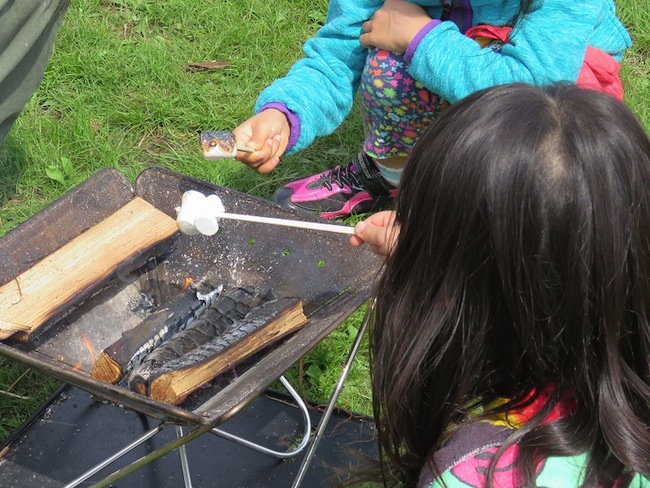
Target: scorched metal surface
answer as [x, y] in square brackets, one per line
[332, 278]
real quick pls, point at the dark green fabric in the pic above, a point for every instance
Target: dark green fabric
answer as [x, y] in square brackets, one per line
[27, 32]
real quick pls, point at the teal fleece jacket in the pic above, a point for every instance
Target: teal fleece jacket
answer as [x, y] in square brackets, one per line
[546, 46]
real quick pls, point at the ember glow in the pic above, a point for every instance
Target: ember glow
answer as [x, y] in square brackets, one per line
[188, 281]
[90, 348]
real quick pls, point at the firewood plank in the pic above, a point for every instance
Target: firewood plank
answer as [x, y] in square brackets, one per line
[261, 328]
[54, 283]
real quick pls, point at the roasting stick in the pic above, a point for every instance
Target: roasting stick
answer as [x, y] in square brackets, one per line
[341, 229]
[199, 214]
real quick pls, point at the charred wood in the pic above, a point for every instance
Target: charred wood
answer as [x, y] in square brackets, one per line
[263, 326]
[129, 350]
[229, 307]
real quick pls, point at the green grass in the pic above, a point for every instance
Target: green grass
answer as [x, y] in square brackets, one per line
[117, 94]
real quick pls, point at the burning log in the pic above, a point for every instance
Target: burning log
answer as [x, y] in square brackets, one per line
[229, 307]
[119, 358]
[71, 273]
[264, 325]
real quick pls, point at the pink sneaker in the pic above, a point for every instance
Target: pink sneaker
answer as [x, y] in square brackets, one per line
[355, 187]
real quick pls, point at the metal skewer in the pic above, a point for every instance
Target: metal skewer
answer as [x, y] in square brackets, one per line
[341, 229]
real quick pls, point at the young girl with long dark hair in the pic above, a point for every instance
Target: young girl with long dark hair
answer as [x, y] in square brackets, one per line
[406, 61]
[510, 343]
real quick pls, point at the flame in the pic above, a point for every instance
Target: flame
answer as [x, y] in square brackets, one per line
[90, 347]
[77, 366]
[188, 281]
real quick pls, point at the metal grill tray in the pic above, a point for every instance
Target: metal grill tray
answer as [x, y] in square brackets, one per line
[332, 278]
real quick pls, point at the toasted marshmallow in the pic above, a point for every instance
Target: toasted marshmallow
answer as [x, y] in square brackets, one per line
[217, 144]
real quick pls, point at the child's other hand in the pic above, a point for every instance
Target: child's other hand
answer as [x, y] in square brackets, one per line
[268, 133]
[378, 231]
[394, 26]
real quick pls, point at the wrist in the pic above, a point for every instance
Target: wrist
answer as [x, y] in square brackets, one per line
[292, 121]
[415, 42]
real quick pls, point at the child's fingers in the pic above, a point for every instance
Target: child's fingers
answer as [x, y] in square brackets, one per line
[261, 161]
[276, 145]
[377, 231]
[267, 166]
[266, 155]
[375, 237]
[253, 135]
[385, 218]
[253, 159]
[356, 241]
[266, 159]
[244, 134]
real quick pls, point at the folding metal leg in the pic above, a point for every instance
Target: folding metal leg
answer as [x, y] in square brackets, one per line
[182, 439]
[320, 430]
[185, 465]
[144, 460]
[97, 468]
[278, 454]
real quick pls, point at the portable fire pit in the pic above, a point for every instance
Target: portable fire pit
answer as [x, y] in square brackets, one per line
[330, 277]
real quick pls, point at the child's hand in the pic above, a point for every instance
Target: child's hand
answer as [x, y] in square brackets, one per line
[268, 133]
[394, 26]
[378, 231]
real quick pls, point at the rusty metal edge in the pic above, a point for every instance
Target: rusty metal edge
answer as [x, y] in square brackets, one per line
[115, 394]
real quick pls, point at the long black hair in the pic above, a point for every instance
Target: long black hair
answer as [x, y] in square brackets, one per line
[523, 261]
[525, 7]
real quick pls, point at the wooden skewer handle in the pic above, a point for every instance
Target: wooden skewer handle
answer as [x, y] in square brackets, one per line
[246, 149]
[341, 229]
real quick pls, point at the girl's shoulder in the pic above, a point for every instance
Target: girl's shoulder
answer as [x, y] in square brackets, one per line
[465, 459]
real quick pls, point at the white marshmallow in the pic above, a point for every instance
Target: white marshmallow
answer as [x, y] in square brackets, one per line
[206, 220]
[191, 204]
[206, 224]
[215, 204]
[198, 213]
[192, 197]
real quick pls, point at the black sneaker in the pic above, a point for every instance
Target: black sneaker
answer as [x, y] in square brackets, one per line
[355, 187]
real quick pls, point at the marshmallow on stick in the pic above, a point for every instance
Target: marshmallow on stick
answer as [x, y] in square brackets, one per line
[199, 214]
[217, 144]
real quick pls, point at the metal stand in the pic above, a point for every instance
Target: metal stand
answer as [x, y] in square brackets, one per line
[95, 469]
[280, 455]
[181, 440]
[320, 430]
[185, 465]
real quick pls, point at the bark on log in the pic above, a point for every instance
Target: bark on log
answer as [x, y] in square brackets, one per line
[118, 358]
[70, 274]
[229, 307]
[263, 326]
